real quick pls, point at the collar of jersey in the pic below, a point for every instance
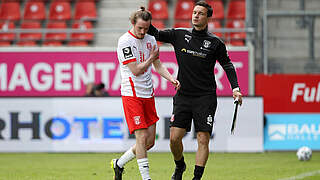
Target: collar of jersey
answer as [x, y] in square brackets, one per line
[201, 33]
[132, 35]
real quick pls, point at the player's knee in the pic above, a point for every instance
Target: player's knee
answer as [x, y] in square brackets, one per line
[174, 140]
[203, 139]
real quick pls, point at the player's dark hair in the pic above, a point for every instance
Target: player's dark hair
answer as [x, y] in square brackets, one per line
[142, 13]
[206, 5]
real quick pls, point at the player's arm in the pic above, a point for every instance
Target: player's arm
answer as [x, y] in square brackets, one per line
[138, 69]
[166, 36]
[228, 67]
[163, 71]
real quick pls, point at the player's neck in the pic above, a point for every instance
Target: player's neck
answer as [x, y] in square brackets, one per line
[133, 33]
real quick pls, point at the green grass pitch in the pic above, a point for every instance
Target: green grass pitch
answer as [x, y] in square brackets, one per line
[96, 166]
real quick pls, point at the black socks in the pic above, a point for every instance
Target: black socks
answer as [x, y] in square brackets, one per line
[180, 163]
[198, 171]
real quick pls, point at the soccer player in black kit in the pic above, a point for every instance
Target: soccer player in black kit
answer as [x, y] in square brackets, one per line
[196, 51]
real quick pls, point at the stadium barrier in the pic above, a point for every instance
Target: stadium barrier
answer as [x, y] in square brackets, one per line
[74, 124]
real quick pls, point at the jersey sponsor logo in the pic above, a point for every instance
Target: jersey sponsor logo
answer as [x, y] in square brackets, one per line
[137, 120]
[149, 46]
[194, 53]
[187, 37]
[206, 43]
[127, 52]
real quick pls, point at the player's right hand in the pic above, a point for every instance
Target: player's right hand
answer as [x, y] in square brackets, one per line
[154, 53]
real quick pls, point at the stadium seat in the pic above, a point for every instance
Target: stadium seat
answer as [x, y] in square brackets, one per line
[78, 43]
[218, 9]
[85, 10]
[5, 26]
[158, 24]
[52, 43]
[82, 35]
[184, 9]
[237, 9]
[56, 35]
[60, 10]
[236, 24]
[5, 43]
[159, 9]
[26, 43]
[213, 25]
[34, 10]
[10, 11]
[235, 38]
[31, 25]
[183, 24]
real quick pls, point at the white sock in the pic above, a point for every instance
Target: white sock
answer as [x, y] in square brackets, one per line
[144, 168]
[126, 157]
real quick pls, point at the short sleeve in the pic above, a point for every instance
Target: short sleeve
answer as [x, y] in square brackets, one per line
[125, 52]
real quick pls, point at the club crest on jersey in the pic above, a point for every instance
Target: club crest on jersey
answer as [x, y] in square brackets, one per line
[127, 52]
[206, 43]
[187, 37]
[137, 120]
[209, 120]
[149, 46]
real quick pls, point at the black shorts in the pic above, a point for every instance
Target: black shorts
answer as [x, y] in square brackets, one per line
[199, 108]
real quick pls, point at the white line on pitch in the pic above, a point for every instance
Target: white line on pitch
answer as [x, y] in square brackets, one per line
[303, 175]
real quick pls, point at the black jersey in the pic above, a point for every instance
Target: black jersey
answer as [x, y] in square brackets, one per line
[197, 53]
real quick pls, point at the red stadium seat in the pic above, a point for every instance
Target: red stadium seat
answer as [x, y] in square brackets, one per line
[56, 35]
[10, 11]
[236, 24]
[5, 26]
[236, 38]
[26, 43]
[52, 43]
[237, 9]
[78, 43]
[34, 10]
[184, 9]
[60, 10]
[85, 10]
[213, 25]
[159, 24]
[5, 43]
[183, 24]
[82, 35]
[159, 9]
[31, 25]
[218, 9]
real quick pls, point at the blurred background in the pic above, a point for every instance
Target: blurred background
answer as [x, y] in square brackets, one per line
[57, 55]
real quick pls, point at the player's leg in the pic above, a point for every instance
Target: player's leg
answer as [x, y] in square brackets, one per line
[202, 154]
[141, 152]
[132, 108]
[179, 125]
[203, 118]
[151, 136]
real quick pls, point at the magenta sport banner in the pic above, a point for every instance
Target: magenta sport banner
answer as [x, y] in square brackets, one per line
[67, 73]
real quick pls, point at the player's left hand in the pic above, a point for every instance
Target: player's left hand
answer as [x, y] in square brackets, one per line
[176, 84]
[238, 95]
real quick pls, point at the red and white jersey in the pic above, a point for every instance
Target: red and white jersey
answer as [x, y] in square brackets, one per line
[132, 49]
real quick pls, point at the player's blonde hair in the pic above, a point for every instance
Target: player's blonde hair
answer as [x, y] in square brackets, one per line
[142, 13]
